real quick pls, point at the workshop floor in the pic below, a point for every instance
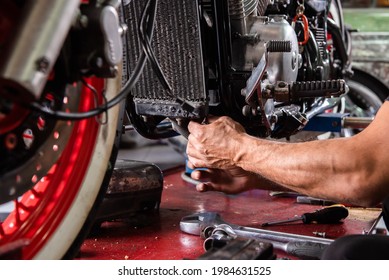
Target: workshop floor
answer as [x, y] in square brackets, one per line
[157, 235]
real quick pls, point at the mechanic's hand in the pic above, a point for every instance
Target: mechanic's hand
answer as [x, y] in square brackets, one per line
[215, 145]
[230, 181]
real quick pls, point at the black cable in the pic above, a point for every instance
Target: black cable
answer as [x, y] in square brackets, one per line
[96, 97]
[147, 49]
[125, 91]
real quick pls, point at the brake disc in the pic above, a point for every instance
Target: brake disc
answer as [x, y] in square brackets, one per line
[31, 149]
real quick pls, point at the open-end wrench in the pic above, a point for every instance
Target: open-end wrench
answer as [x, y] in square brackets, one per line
[294, 244]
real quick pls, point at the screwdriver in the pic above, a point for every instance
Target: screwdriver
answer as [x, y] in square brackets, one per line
[328, 215]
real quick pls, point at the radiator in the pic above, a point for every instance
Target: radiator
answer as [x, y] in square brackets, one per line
[177, 45]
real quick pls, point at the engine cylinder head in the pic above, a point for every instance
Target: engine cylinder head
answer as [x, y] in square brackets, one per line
[262, 5]
[240, 9]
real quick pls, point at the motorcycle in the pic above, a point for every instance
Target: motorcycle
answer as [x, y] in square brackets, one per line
[70, 71]
[270, 65]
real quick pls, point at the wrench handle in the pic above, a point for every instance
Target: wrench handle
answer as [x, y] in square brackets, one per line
[305, 249]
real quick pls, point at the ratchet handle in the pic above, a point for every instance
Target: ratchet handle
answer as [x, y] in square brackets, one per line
[328, 215]
[305, 249]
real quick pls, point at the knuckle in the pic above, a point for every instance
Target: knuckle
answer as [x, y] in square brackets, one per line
[224, 119]
[195, 162]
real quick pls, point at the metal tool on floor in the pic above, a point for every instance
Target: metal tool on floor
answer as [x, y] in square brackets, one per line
[240, 249]
[374, 225]
[302, 199]
[297, 245]
[224, 234]
[328, 215]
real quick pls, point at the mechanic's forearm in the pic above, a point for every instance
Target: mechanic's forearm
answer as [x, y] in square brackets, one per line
[336, 169]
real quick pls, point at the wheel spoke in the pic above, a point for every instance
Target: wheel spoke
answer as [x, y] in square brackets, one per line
[1, 229]
[17, 213]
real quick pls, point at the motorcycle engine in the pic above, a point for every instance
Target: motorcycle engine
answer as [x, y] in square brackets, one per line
[265, 63]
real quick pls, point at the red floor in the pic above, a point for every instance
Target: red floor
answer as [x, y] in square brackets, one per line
[159, 236]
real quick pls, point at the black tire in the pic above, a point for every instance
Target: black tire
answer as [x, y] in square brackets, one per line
[371, 82]
[364, 98]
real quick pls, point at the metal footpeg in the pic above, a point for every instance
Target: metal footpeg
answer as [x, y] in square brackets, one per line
[294, 91]
[329, 88]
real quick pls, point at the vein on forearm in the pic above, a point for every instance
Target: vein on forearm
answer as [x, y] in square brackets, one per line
[328, 169]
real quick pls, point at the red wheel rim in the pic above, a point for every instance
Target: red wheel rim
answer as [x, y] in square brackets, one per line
[39, 212]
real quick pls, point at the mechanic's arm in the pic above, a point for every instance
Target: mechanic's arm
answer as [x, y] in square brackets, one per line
[354, 170]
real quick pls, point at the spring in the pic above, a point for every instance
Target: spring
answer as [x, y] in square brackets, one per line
[240, 9]
[279, 46]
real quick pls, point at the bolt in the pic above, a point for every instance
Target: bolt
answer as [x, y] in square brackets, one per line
[273, 119]
[98, 62]
[246, 110]
[123, 29]
[11, 141]
[294, 60]
[83, 21]
[42, 64]
[243, 92]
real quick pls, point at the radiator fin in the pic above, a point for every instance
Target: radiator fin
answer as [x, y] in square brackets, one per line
[177, 45]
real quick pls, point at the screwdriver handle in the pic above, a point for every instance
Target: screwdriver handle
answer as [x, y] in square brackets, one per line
[328, 215]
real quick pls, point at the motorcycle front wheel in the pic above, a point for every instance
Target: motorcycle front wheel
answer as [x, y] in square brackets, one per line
[47, 219]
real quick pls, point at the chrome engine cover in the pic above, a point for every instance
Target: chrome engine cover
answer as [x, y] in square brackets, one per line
[283, 66]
